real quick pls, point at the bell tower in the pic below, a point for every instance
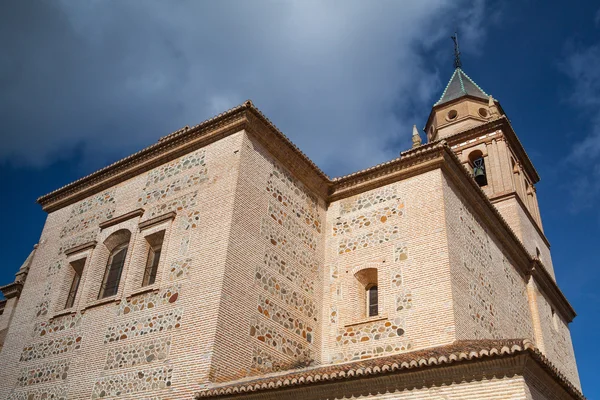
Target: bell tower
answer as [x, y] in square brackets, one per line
[478, 130]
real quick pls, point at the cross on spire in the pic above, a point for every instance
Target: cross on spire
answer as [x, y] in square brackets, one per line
[457, 63]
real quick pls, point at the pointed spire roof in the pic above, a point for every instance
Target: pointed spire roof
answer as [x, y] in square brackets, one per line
[460, 85]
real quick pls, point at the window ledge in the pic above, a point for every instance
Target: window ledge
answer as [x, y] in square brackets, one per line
[96, 303]
[367, 320]
[146, 289]
[66, 311]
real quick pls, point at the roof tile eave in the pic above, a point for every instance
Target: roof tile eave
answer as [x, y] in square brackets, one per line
[466, 350]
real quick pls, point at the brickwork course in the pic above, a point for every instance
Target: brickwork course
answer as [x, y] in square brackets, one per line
[413, 279]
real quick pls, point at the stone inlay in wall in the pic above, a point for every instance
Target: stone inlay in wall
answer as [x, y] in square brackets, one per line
[400, 252]
[77, 240]
[368, 352]
[54, 392]
[265, 362]
[149, 300]
[369, 332]
[369, 239]
[368, 199]
[370, 218]
[396, 278]
[281, 217]
[59, 324]
[333, 314]
[86, 221]
[155, 194]
[192, 160]
[281, 290]
[42, 308]
[183, 202]
[518, 306]
[184, 245]
[132, 382]
[52, 347]
[282, 317]
[292, 194]
[91, 203]
[281, 241]
[403, 301]
[143, 325]
[138, 353]
[276, 263]
[276, 340]
[180, 269]
[42, 373]
[53, 268]
[190, 220]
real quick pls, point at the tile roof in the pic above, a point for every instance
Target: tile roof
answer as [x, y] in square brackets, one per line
[460, 85]
[459, 351]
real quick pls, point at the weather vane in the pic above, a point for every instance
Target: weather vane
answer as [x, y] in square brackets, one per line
[457, 63]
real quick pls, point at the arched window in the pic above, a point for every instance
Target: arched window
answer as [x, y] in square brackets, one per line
[372, 301]
[478, 166]
[117, 244]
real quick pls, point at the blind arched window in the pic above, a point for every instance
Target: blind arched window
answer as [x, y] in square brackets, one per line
[372, 301]
[112, 274]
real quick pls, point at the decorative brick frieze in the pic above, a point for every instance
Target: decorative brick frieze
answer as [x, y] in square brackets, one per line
[143, 325]
[350, 224]
[278, 341]
[42, 373]
[59, 324]
[284, 318]
[51, 347]
[136, 354]
[276, 287]
[146, 301]
[369, 239]
[369, 199]
[132, 382]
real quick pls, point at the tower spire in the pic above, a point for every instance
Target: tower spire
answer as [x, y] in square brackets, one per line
[457, 63]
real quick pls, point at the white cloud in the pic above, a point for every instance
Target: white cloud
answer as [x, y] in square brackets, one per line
[343, 79]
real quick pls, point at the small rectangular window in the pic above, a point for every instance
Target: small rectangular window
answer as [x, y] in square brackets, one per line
[78, 272]
[151, 266]
[155, 242]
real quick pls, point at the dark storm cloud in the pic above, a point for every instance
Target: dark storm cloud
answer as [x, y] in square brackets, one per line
[345, 80]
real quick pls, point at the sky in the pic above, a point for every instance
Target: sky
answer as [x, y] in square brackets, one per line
[85, 83]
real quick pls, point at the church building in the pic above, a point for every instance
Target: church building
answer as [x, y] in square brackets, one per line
[222, 263]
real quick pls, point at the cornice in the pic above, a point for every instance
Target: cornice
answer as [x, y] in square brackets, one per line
[547, 284]
[12, 289]
[182, 141]
[513, 194]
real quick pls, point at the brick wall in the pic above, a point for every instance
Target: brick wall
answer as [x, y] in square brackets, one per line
[398, 230]
[156, 344]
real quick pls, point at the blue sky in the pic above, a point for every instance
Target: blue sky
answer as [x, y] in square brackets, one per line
[83, 84]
